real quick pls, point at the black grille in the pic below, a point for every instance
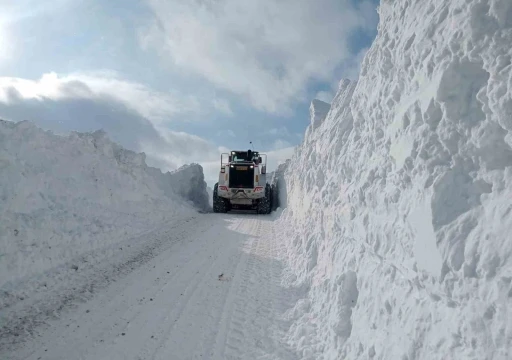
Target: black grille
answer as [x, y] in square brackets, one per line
[241, 176]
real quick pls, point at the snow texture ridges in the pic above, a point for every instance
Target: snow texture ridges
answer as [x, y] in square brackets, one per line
[399, 214]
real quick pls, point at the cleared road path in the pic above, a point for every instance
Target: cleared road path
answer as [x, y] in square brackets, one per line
[212, 293]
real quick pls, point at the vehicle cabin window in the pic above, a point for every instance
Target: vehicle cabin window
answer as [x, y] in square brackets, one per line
[240, 157]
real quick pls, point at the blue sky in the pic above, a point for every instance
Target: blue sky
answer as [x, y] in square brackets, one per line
[181, 80]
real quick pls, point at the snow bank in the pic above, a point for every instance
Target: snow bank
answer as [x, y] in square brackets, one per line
[188, 181]
[278, 183]
[399, 213]
[61, 197]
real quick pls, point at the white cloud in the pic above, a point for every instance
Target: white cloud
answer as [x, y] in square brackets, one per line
[326, 96]
[3, 43]
[156, 106]
[223, 106]
[7, 47]
[180, 148]
[226, 133]
[266, 51]
[352, 67]
[281, 144]
[13, 11]
[279, 156]
[348, 69]
[282, 131]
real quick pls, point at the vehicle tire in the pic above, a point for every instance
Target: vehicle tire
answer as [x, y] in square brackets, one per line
[265, 204]
[275, 199]
[219, 204]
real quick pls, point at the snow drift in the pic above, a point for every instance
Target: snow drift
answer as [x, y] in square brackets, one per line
[61, 197]
[398, 215]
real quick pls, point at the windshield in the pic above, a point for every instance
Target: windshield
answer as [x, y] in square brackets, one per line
[240, 156]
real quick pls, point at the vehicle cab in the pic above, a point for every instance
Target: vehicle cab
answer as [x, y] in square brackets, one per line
[242, 175]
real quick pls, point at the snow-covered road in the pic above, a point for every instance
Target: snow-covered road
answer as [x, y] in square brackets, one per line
[213, 292]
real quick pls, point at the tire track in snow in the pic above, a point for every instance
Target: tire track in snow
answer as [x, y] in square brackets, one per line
[182, 308]
[222, 317]
[165, 325]
[175, 306]
[149, 350]
[91, 282]
[253, 322]
[196, 316]
[226, 322]
[147, 321]
[153, 295]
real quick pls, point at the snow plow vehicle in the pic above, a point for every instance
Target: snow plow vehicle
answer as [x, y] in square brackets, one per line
[243, 183]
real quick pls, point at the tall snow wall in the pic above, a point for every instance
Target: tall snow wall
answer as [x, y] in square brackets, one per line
[398, 217]
[63, 196]
[278, 183]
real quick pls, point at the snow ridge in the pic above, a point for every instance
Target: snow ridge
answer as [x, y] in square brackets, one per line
[399, 214]
[62, 197]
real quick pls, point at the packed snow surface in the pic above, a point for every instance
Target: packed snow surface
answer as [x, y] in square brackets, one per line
[399, 208]
[62, 197]
[205, 288]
